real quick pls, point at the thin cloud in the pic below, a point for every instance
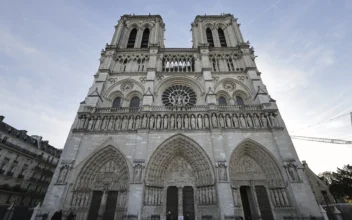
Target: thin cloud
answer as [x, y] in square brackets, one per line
[258, 16]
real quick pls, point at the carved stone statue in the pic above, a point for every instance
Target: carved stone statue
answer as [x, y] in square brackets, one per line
[172, 122]
[222, 172]
[90, 124]
[158, 122]
[228, 121]
[272, 120]
[151, 122]
[97, 124]
[249, 121]
[214, 121]
[124, 123]
[130, 123]
[193, 122]
[138, 122]
[221, 121]
[165, 121]
[104, 122]
[144, 122]
[186, 122]
[292, 171]
[179, 122]
[235, 121]
[264, 120]
[118, 123]
[111, 123]
[242, 121]
[256, 121]
[206, 121]
[62, 175]
[200, 122]
[138, 173]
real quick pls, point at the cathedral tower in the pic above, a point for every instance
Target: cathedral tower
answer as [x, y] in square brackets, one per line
[170, 133]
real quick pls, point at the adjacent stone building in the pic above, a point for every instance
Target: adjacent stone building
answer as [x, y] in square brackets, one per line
[319, 187]
[27, 165]
[179, 133]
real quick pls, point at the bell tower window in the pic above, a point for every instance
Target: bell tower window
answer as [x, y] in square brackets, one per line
[145, 38]
[210, 37]
[132, 38]
[222, 38]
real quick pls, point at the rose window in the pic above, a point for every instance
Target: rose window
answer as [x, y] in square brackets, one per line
[179, 95]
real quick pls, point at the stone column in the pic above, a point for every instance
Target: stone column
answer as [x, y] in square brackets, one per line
[137, 43]
[102, 205]
[180, 202]
[156, 39]
[117, 34]
[255, 200]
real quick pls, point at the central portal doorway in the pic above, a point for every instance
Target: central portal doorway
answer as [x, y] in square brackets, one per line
[185, 196]
[188, 203]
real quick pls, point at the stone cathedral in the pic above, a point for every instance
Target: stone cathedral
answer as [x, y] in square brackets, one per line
[179, 133]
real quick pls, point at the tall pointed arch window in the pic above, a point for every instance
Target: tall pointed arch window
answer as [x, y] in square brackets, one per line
[145, 38]
[117, 103]
[210, 37]
[222, 38]
[132, 38]
[134, 104]
[222, 100]
[239, 100]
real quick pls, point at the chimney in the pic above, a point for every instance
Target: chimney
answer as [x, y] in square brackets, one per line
[1, 118]
[24, 132]
[39, 140]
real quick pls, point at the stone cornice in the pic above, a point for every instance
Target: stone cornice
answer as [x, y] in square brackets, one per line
[132, 50]
[141, 17]
[178, 50]
[128, 73]
[223, 17]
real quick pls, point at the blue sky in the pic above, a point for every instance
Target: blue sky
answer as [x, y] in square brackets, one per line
[49, 52]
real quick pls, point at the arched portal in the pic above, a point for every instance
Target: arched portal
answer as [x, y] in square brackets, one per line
[180, 181]
[100, 191]
[257, 182]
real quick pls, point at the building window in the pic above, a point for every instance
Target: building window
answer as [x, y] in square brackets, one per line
[222, 100]
[210, 37]
[222, 38]
[145, 38]
[117, 103]
[132, 38]
[134, 102]
[239, 100]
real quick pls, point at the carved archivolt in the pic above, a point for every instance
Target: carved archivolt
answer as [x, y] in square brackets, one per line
[106, 169]
[176, 147]
[125, 85]
[177, 80]
[250, 161]
[228, 81]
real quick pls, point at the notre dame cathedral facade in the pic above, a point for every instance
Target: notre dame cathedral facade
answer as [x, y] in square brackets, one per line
[179, 133]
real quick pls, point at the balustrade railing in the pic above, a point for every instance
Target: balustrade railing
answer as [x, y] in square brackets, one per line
[197, 108]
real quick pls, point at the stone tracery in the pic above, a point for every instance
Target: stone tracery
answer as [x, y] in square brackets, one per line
[179, 146]
[250, 158]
